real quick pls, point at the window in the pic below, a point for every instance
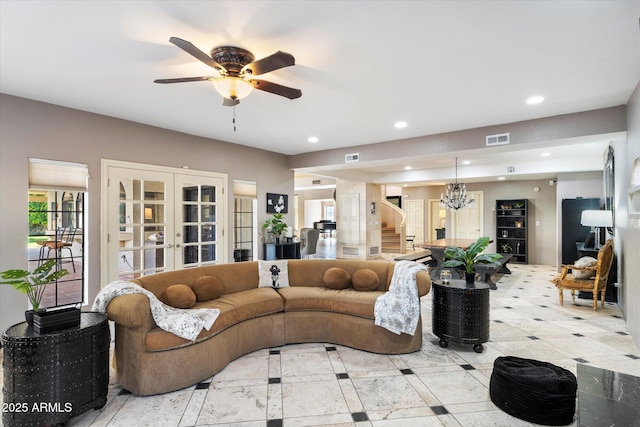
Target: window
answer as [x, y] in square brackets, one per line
[56, 226]
[330, 212]
[244, 220]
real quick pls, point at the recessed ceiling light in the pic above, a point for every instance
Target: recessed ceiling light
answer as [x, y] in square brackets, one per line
[501, 178]
[408, 168]
[545, 154]
[401, 125]
[313, 139]
[466, 162]
[535, 100]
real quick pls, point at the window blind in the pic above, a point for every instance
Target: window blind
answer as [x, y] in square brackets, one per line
[57, 175]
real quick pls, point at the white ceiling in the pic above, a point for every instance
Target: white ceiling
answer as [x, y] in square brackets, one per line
[441, 66]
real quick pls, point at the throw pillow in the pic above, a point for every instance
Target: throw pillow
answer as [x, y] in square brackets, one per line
[273, 274]
[178, 296]
[207, 288]
[585, 261]
[336, 278]
[365, 280]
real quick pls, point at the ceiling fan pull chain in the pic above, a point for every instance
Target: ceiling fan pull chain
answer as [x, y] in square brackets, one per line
[234, 118]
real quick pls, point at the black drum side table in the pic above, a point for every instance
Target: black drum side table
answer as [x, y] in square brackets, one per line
[461, 313]
[50, 378]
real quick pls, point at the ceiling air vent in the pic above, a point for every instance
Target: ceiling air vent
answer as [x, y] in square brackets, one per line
[499, 139]
[352, 158]
[316, 182]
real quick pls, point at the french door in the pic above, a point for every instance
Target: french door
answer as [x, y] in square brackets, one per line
[161, 219]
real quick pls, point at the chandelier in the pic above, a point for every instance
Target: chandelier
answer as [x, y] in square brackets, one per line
[456, 196]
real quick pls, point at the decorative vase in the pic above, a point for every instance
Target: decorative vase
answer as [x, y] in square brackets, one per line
[28, 315]
[277, 240]
[469, 277]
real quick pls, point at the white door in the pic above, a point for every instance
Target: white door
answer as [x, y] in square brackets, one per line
[436, 218]
[199, 230]
[467, 222]
[158, 220]
[414, 209]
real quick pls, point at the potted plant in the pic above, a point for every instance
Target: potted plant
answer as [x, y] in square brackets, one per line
[275, 225]
[32, 283]
[456, 257]
[506, 248]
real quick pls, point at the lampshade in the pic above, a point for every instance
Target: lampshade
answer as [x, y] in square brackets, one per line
[593, 218]
[232, 87]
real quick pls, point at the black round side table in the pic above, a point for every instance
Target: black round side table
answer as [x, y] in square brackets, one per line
[52, 377]
[461, 313]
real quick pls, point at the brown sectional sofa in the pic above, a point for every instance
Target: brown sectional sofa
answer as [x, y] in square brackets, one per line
[149, 360]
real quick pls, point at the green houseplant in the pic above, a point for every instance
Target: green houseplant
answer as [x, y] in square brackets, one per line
[275, 225]
[33, 283]
[456, 257]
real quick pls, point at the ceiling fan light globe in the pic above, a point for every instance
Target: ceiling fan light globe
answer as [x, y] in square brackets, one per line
[232, 87]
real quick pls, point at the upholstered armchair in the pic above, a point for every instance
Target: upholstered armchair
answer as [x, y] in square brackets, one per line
[572, 276]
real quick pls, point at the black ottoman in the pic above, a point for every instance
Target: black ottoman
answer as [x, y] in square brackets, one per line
[534, 391]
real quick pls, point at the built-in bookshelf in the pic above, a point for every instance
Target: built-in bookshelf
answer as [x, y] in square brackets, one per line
[511, 229]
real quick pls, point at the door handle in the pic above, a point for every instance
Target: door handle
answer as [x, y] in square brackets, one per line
[169, 246]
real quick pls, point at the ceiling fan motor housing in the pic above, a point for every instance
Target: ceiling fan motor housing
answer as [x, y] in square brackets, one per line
[232, 58]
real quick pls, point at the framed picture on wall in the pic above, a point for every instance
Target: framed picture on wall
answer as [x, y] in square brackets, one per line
[396, 200]
[277, 203]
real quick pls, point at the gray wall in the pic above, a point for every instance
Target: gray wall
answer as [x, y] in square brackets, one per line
[35, 129]
[542, 208]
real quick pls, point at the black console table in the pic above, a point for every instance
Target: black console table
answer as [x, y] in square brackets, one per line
[461, 313]
[50, 378]
[289, 250]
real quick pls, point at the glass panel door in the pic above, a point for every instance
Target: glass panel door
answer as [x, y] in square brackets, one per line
[198, 231]
[162, 221]
[137, 244]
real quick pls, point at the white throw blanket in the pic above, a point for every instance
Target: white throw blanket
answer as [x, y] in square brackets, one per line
[398, 309]
[186, 324]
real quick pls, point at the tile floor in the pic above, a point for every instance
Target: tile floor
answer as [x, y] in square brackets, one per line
[324, 384]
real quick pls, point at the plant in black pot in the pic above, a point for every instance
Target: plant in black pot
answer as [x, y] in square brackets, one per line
[32, 283]
[458, 257]
[275, 225]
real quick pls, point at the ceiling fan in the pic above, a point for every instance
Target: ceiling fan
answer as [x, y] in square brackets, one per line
[236, 67]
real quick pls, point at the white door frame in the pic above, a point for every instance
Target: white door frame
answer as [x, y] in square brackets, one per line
[106, 210]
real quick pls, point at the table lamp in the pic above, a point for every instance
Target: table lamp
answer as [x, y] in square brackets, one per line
[597, 219]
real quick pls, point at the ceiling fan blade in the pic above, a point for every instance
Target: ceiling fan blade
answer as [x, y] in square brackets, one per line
[270, 63]
[228, 102]
[184, 80]
[195, 52]
[287, 92]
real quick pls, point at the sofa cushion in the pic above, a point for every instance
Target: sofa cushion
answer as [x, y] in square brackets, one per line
[365, 280]
[336, 278]
[178, 296]
[348, 301]
[234, 308]
[273, 274]
[585, 261]
[207, 288]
